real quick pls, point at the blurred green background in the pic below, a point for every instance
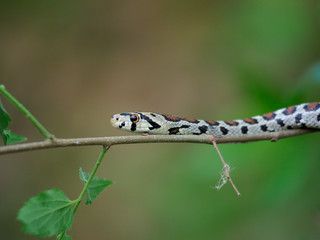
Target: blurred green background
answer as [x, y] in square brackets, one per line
[75, 63]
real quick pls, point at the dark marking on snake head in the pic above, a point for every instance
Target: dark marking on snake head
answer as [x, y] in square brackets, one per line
[153, 115]
[153, 124]
[133, 127]
[264, 127]
[298, 118]
[280, 122]
[289, 110]
[269, 116]
[224, 130]
[122, 124]
[244, 129]
[125, 114]
[318, 118]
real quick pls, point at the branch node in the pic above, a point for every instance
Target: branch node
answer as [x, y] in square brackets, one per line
[53, 138]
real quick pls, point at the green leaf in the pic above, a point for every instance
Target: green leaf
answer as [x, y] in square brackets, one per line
[12, 137]
[96, 186]
[47, 214]
[4, 118]
[7, 136]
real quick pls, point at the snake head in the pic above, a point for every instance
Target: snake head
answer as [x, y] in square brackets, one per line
[135, 122]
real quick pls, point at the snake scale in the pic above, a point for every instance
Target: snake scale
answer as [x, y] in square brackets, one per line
[306, 115]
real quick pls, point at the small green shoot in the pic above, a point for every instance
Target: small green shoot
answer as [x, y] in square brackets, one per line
[26, 112]
[96, 186]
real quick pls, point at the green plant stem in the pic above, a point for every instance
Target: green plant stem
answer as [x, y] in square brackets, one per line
[103, 152]
[84, 190]
[26, 112]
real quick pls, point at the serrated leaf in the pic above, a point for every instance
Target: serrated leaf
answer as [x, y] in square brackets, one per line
[12, 137]
[96, 186]
[4, 118]
[47, 214]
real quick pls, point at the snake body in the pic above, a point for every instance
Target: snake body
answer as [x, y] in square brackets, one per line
[306, 115]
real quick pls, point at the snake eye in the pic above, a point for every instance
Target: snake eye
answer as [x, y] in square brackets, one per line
[134, 118]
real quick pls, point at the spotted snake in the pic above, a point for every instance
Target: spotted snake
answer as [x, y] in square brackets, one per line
[306, 115]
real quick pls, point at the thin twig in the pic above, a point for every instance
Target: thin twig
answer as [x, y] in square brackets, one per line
[225, 166]
[26, 112]
[103, 141]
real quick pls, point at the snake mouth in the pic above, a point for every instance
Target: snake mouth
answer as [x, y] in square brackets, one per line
[114, 120]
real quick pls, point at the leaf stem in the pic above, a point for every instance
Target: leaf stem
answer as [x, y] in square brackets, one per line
[103, 152]
[83, 192]
[26, 112]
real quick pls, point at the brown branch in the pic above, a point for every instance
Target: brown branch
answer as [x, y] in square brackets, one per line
[109, 141]
[225, 165]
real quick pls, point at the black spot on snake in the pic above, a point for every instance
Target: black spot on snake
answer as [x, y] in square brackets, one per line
[298, 118]
[280, 122]
[122, 124]
[244, 129]
[203, 129]
[318, 117]
[303, 126]
[224, 130]
[133, 127]
[175, 130]
[264, 128]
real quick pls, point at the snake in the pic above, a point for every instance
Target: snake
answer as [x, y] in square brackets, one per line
[301, 116]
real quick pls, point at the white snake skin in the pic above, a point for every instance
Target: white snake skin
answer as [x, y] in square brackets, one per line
[306, 115]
